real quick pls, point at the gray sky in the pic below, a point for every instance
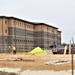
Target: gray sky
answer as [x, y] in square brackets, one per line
[58, 13]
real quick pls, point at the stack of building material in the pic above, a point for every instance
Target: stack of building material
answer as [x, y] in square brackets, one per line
[57, 62]
[38, 51]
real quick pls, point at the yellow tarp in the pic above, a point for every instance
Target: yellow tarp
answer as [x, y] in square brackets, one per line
[38, 51]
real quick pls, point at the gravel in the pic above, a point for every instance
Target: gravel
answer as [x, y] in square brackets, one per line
[14, 70]
[34, 72]
[46, 72]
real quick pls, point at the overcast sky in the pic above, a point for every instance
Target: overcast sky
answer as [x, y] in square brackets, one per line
[58, 13]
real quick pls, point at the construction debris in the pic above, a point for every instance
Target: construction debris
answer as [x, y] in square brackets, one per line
[57, 62]
[17, 59]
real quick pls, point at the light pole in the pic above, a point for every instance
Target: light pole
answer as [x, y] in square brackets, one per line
[72, 65]
[25, 34]
[15, 32]
[72, 57]
[2, 35]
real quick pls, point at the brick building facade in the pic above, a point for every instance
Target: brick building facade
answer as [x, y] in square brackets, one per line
[26, 35]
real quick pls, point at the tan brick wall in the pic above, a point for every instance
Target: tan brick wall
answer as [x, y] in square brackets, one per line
[59, 34]
[5, 27]
[21, 25]
[31, 28]
[0, 27]
[37, 28]
[44, 28]
[10, 23]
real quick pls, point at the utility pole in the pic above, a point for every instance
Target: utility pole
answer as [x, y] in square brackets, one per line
[72, 41]
[72, 65]
[72, 58]
[70, 47]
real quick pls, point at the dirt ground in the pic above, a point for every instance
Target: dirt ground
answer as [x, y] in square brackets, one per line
[37, 64]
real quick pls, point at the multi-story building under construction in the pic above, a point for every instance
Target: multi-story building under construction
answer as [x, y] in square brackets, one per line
[25, 35]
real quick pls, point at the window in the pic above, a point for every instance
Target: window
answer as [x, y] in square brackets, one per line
[5, 30]
[6, 40]
[14, 40]
[14, 22]
[20, 24]
[53, 36]
[18, 40]
[53, 30]
[5, 22]
[33, 27]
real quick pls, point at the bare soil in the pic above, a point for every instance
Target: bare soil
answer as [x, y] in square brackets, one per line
[37, 64]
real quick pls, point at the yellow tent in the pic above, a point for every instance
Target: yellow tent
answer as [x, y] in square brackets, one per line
[38, 51]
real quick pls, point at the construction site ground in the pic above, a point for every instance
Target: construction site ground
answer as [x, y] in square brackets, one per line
[33, 62]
